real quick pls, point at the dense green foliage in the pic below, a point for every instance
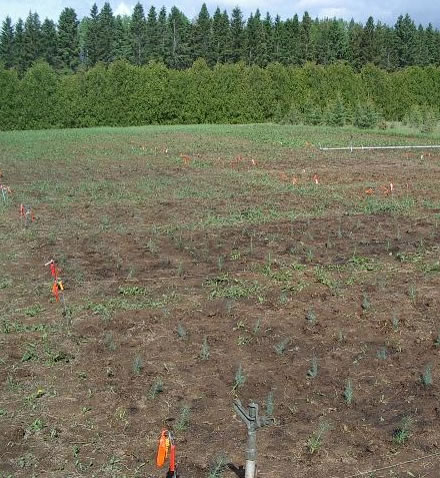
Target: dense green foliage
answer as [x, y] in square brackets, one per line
[219, 38]
[121, 94]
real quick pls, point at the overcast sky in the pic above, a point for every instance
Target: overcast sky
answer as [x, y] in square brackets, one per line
[422, 11]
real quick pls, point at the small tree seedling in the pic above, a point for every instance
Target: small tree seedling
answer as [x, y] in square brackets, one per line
[313, 370]
[314, 442]
[348, 392]
[182, 422]
[427, 376]
[156, 388]
[181, 331]
[403, 431]
[204, 352]
[240, 378]
[281, 347]
[138, 365]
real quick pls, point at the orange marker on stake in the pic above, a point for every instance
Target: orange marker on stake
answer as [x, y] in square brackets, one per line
[166, 444]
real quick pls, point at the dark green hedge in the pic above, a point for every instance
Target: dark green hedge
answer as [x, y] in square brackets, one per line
[123, 94]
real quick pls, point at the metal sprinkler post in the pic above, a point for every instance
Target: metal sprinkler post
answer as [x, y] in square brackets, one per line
[253, 422]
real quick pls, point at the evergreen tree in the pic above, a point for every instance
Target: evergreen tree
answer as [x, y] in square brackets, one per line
[306, 46]
[267, 36]
[368, 42]
[138, 33]
[337, 46]
[68, 40]
[152, 35]
[163, 36]
[91, 37]
[256, 43]
[354, 41]
[220, 50]
[49, 43]
[7, 43]
[430, 44]
[179, 52]
[122, 45]
[277, 39]
[290, 48]
[201, 38]
[19, 57]
[31, 39]
[406, 40]
[386, 47]
[106, 34]
[237, 35]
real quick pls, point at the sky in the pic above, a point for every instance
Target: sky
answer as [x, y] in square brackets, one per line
[422, 11]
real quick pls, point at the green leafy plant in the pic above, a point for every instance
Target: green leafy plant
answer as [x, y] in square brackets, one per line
[382, 353]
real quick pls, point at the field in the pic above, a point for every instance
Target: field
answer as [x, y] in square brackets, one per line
[256, 266]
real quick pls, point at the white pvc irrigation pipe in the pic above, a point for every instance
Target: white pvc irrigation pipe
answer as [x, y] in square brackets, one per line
[355, 148]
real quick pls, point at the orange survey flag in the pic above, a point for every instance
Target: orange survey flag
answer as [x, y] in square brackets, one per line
[173, 458]
[162, 451]
[55, 290]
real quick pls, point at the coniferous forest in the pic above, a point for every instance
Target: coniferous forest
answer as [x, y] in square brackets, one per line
[158, 66]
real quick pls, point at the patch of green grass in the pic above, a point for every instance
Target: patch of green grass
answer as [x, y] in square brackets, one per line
[231, 288]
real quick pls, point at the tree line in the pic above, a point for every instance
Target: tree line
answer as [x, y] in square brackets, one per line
[71, 44]
[123, 94]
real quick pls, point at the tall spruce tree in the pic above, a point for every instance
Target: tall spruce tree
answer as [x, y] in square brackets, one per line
[31, 39]
[354, 45]
[152, 35]
[49, 43]
[91, 37]
[19, 56]
[163, 35]
[201, 35]
[305, 45]
[138, 34]
[368, 42]
[220, 50]
[68, 40]
[122, 44]
[179, 27]
[106, 34]
[406, 40]
[237, 35]
[7, 43]
[291, 42]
